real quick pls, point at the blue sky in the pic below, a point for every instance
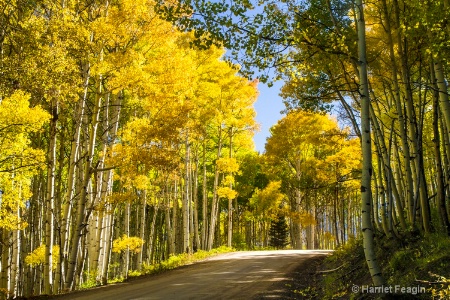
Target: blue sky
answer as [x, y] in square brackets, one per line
[268, 107]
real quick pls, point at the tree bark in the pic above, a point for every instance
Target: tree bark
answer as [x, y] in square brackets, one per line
[186, 199]
[215, 200]
[50, 202]
[88, 170]
[230, 201]
[440, 177]
[366, 197]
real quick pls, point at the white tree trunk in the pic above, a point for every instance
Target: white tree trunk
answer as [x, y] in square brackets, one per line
[50, 202]
[186, 200]
[366, 201]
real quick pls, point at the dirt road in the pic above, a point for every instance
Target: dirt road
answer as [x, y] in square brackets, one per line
[237, 275]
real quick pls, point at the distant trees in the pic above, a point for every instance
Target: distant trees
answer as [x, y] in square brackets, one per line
[384, 62]
[278, 232]
[317, 164]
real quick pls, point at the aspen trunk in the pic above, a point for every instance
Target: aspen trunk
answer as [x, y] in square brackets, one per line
[168, 225]
[142, 228]
[186, 200]
[382, 196]
[387, 170]
[5, 260]
[416, 155]
[444, 102]
[50, 205]
[151, 239]
[126, 255]
[94, 233]
[175, 218]
[297, 201]
[230, 201]
[215, 200]
[15, 251]
[107, 251]
[103, 223]
[440, 177]
[401, 120]
[445, 157]
[366, 197]
[196, 240]
[205, 202]
[74, 155]
[81, 206]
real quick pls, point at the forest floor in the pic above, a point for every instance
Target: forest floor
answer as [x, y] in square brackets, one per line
[412, 268]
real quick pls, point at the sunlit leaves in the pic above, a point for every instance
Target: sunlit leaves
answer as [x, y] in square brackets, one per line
[132, 243]
[303, 218]
[301, 136]
[226, 193]
[37, 257]
[18, 160]
[16, 117]
[309, 153]
[269, 201]
[227, 165]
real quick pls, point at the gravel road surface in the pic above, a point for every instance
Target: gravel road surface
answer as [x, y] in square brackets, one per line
[237, 275]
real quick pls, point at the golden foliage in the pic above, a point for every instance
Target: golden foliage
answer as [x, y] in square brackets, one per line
[19, 161]
[227, 165]
[134, 244]
[303, 218]
[268, 201]
[37, 257]
[226, 192]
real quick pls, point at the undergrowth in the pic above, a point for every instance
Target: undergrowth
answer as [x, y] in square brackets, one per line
[175, 261]
[420, 266]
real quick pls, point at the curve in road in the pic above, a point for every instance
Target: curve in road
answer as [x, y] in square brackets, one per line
[236, 275]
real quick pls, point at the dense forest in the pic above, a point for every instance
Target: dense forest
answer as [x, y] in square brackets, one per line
[126, 133]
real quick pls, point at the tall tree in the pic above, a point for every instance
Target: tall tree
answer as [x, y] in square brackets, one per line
[366, 147]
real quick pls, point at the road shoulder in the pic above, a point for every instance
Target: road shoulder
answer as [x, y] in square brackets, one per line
[302, 283]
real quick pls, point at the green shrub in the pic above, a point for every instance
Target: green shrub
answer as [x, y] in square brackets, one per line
[90, 280]
[134, 273]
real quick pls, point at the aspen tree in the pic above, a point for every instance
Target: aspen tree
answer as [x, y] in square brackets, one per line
[205, 200]
[215, 198]
[412, 128]
[142, 226]
[15, 260]
[50, 204]
[195, 207]
[439, 75]
[401, 120]
[366, 194]
[19, 162]
[440, 190]
[230, 200]
[82, 201]
[167, 221]
[186, 198]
